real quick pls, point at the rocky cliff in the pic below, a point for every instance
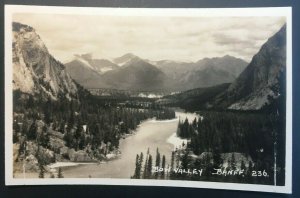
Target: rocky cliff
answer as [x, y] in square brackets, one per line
[253, 87]
[35, 70]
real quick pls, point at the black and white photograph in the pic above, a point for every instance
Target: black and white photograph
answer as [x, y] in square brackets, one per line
[162, 97]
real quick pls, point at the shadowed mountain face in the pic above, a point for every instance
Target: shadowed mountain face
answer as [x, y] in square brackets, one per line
[254, 85]
[35, 70]
[206, 77]
[136, 74]
[203, 73]
[234, 66]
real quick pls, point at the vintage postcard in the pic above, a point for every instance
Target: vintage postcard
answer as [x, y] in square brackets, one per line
[196, 98]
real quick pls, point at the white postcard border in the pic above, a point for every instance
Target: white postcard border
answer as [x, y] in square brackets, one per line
[186, 12]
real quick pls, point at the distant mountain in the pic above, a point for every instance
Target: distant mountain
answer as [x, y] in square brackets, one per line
[178, 76]
[136, 74]
[203, 73]
[35, 71]
[99, 66]
[253, 87]
[175, 69]
[81, 71]
[230, 64]
[132, 73]
[124, 59]
[206, 77]
[88, 71]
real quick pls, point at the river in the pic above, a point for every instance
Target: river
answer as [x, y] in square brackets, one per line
[150, 134]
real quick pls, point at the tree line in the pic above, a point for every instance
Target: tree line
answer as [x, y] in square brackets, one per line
[144, 170]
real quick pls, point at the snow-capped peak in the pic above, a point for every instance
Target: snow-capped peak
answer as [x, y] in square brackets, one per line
[123, 60]
[84, 62]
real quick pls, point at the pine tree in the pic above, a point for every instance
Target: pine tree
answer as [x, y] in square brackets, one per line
[140, 164]
[185, 129]
[163, 165]
[71, 120]
[42, 171]
[249, 177]
[185, 160]
[149, 168]
[157, 162]
[146, 165]
[52, 175]
[179, 132]
[30, 102]
[172, 160]
[217, 160]
[232, 162]
[172, 175]
[195, 123]
[24, 129]
[243, 166]
[60, 173]
[44, 138]
[48, 111]
[32, 132]
[136, 171]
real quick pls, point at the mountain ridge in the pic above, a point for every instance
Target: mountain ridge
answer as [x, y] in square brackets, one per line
[179, 76]
[253, 88]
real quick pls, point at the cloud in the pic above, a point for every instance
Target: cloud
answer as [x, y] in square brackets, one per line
[155, 38]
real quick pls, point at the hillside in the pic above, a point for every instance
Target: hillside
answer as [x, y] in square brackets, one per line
[195, 99]
[255, 85]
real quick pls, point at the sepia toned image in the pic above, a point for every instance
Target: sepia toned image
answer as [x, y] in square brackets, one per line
[175, 97]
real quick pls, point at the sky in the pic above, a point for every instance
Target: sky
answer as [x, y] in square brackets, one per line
[154, 38]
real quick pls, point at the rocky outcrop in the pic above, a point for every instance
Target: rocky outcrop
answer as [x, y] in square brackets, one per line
[79, 156]
[35, 71]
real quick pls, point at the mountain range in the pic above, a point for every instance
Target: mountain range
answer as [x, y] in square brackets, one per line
[134, 73]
